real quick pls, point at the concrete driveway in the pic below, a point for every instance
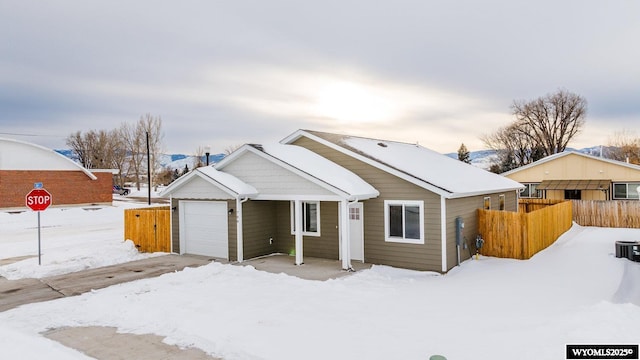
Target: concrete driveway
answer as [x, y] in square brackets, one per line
[102, 342]
[14, 293]
[106, 343]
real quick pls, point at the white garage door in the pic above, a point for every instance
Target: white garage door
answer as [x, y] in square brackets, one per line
[204, 228]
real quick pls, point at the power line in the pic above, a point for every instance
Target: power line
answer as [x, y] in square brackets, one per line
[33, 135]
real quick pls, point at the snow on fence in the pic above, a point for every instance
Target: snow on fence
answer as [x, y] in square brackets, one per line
[520, 235]
[618, 213]
[149, 228]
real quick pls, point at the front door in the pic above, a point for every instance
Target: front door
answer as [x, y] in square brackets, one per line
[356, 231]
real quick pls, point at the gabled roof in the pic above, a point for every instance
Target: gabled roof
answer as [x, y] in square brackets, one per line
[416, 164]
[20, 155]
[226, 182]
[310, 166]
[567, 153]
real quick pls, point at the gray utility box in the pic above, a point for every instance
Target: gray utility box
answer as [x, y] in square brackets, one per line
[628, 249]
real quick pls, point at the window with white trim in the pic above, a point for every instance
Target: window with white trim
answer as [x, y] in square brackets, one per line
[487, 203]
[501, 199]
[404, 221]
[310, 218]
[625, 191]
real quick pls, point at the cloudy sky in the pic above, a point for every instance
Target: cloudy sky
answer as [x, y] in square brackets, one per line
[223, 73]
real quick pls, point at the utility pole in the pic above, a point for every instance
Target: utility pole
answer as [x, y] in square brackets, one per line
[148, 171]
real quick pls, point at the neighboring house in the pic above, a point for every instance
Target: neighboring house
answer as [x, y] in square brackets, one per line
[23, 164]
[338, 197]
[573, 175]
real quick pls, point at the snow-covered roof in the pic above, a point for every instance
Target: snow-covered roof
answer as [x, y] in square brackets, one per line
[233, 183]
[226, 182]
[322, 169]
[312, 166]
[567, 153]
[20, 155]
[434, 171]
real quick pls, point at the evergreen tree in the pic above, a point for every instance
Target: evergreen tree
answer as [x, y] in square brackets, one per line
[463, 154]
[186, 169]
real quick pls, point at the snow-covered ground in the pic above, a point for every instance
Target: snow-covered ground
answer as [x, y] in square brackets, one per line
[72, 239]
[576, 291]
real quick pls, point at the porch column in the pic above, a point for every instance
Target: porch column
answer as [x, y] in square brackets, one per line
[239, 234]
[345, 235]
[298, 223]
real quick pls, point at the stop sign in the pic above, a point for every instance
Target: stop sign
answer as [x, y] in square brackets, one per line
[38, 199]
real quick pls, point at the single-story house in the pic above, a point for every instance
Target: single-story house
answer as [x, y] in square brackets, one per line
[573, 175]
[339, 197]
[23, 164]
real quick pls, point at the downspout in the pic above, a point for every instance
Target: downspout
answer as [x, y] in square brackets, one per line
[239, 235]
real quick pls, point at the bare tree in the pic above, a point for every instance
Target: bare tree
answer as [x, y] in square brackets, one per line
[229, 149]
[624, 146]
[99, 149]
[152, 128]
[197, 162]
[119, 152]
[134, 137]
[551, 121]
[513, 147]
[133, 142]
[76, 142]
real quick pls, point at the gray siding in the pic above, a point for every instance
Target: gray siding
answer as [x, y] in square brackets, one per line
[285, 243]
[259, 225]
[326, 246]
[467, 208]
[232, 229]
[175, 226]
[199, 188]
[270, 178]
[376, 250]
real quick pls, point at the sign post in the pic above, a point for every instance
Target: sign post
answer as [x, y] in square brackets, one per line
[38, 200]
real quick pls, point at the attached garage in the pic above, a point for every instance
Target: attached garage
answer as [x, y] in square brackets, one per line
[205, 228]
[205, 217]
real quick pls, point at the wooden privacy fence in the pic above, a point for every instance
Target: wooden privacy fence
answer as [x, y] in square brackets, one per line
[618, 213]
[521, 235]
[530, 205]
[149, 228]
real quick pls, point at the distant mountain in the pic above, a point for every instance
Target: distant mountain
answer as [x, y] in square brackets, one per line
[67, 153]
[171, 161]
[485, 158]
[482, 158]
[178, 161]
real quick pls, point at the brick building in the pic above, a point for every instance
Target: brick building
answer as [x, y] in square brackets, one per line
[23, 164]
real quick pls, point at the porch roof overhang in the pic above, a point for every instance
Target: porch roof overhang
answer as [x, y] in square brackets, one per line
[596, 184]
